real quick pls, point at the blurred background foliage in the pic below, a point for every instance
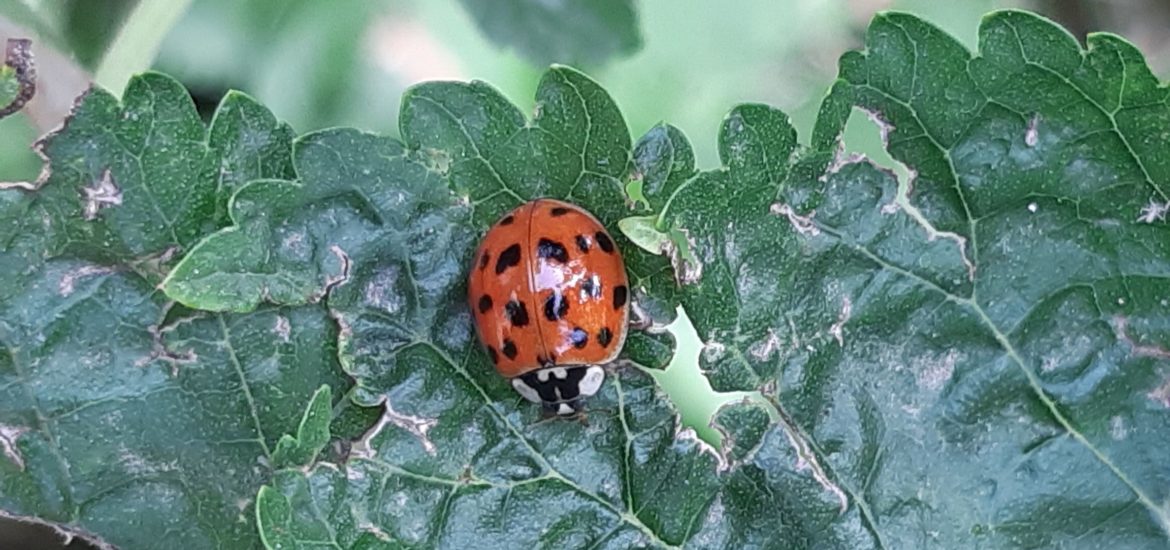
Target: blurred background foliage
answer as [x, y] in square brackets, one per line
[346, 63]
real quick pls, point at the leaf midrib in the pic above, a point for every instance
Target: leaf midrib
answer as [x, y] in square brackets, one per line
[623, 516]
[1034, 382]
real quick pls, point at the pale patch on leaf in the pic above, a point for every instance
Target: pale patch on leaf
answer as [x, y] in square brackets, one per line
[802, 224]
[103, 193]
[70, 279]
[414, 425]
[8, 437]
[837, 329]
[1154, 211]
[1031, 137]
[282, 328]
[807, 460]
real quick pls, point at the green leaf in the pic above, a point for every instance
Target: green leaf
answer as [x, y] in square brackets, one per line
[9, 86]
[576, 32]
[312, 433]
[975, 357]
[457, 457]
[123, 417]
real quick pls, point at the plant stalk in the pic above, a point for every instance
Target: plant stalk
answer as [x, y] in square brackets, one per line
[134, 48]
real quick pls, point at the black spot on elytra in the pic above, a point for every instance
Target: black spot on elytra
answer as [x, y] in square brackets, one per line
[508, 258]
[591, 288]
[485, 303]
[555, 306]
[552, 249]
[559, 211]
[483, 260]
[509, 348]
[583, 243]
[579, 337]
[604, 336]
[507, 220]
[604, 242]
[620, 294]
[517, 313]
[495, 356]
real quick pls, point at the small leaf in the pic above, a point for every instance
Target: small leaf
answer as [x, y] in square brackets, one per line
[641, 231]
[573, 32]
[992, 329]
[312, 433]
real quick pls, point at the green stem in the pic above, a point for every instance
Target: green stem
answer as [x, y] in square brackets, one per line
[138, 41]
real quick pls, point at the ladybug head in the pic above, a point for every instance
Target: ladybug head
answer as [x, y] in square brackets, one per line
[560, 389]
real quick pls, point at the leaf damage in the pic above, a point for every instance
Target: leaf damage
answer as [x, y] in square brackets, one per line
[1154, 211]
[8, 437]
[837, 329]
[414, 425]
[802, 224]
[66, 285]
[807, 458]
[104, 193]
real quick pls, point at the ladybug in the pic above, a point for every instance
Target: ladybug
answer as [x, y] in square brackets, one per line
[551, 302]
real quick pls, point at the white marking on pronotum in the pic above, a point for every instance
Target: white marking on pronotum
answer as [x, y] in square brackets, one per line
[803, 224]
[1031, 138]
[8, 437]
[838, 329]
[1154, 211]
[68, 280]
[806, 459]
[416, 426]
[591, 382]
[526, 391]
[103, 193]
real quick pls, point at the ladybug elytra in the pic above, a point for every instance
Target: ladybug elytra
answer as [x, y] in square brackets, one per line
[550, 297]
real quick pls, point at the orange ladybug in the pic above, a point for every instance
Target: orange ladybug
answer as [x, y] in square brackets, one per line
[551, 302]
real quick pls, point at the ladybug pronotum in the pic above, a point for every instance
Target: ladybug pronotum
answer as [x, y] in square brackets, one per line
[551, 302]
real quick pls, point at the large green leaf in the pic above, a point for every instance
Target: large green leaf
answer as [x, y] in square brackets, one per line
[978, 357]
[458, 458]
[123, 417]
[974, 357]
[583, 32]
